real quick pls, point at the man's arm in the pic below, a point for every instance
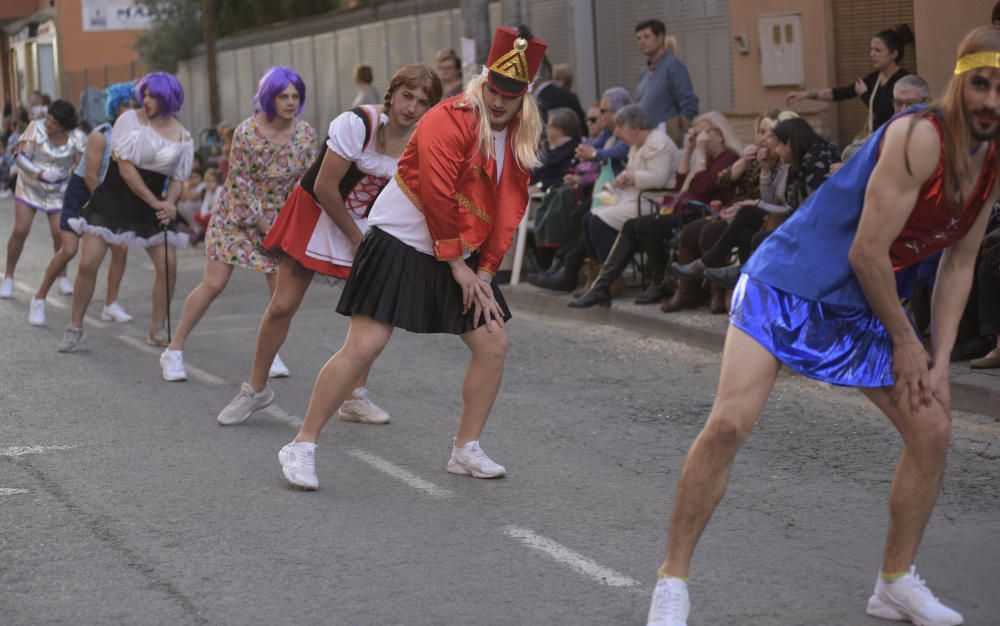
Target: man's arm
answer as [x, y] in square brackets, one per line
[679, 84]
[92, 158]
[889, 200]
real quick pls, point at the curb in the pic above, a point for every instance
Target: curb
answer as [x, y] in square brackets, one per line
[971, 391]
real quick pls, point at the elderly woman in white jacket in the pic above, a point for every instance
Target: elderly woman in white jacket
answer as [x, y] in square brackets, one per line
[653, 159]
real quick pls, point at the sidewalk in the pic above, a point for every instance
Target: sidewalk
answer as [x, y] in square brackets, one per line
[974, 391]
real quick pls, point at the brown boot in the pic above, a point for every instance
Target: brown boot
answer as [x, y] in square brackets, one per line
[618, 288]
[689, 295]
[718, 302]
[591, 269]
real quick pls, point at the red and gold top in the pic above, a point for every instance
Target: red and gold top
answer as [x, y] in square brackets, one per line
[447, 177]
[934, 225]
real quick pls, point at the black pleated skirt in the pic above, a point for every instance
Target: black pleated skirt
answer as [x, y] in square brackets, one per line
[115, 214]
[395, 284]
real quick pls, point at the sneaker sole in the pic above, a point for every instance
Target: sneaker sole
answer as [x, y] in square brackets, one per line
[277, 374]
[254, 410]
[883, 610]
[175, 379]
[111, 318]
[461, 470]
[292, 483]
[32, 323]
[357, 419]
[75, 347]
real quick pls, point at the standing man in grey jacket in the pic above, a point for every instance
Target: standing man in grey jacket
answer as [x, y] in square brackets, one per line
[664, 88]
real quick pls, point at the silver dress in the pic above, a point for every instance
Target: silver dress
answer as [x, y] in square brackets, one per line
[43, 168]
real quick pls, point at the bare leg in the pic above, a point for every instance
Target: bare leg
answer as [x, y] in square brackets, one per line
[57, 266]
[292, 282]
[747, 377]
[91, 257]
[917, 481]
[482, 380]
[201, 297]
[365, 340]
[23, 216]
[119, 255]
[159, 297]
[56, 234]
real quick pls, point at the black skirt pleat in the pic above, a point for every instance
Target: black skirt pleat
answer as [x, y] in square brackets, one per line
[395, 284]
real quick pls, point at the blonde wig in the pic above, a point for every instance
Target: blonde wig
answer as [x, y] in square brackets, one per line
[955, 121]
[529, 128]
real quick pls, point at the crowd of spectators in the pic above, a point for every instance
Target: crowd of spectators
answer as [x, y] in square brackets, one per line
[651, 184]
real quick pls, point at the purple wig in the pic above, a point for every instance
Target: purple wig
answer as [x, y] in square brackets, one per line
[165, 88]
[272, 83]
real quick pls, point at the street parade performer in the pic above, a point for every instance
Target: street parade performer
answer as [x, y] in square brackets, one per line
[819, 296]
[322, 223]
[437, 234]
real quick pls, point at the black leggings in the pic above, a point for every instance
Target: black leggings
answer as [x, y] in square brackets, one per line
[747, 221]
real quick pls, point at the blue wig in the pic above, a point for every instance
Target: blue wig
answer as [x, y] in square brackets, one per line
[115, 95]
[272, 83]
[165, 88]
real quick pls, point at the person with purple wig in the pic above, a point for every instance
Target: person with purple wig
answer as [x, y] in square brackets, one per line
[151, 151]
[271, 151]
[120, 97]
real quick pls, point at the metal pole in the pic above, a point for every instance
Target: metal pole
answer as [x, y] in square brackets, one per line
[476, 19]
[208, 32]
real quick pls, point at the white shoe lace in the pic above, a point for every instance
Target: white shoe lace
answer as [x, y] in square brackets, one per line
[917, 586]
[303, 461]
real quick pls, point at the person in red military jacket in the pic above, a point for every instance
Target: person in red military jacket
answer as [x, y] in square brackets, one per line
[437, 234]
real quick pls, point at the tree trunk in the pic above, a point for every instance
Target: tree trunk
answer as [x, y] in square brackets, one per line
[208, 31]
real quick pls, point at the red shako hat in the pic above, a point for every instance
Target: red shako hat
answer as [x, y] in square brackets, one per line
[513, 61]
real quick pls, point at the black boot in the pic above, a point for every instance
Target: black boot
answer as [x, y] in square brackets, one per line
[554, 267]
[600, 292]
[561, 280]
[656, 263]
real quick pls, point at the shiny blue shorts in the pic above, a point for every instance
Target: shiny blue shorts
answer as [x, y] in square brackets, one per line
[836, 344]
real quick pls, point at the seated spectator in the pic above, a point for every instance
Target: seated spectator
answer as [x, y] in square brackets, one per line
[562, 75]
[711, 147]
[209, 200]
[988, 292]
[190, 201]
[806, 159]
[562, 136]
[553, 218]
[610, 155]
[717, 234]
[551, 96]
[652, 163]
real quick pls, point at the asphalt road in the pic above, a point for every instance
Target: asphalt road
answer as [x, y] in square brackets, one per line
[122, 501]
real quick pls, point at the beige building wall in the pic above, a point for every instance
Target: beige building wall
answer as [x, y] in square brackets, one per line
[749, 96]
[940, 26]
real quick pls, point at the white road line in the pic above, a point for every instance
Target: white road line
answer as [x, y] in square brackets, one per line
[96, 323]
[9, 491]
[401, 474]
[564, 555]
[25, 450]
[282, 416]
[194, 372]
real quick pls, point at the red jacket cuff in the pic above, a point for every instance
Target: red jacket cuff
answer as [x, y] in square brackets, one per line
[448, 249]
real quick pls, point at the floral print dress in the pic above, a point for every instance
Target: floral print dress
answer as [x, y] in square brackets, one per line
[261, 175]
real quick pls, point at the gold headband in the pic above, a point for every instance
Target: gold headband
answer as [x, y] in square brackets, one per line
[976, 61]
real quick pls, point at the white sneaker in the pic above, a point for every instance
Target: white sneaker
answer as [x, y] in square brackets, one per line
[908, 599]
[7, 288]
[36, 312]
[360, 408]
[115, 313]
[244, 404]
[670, 606]
[72, 339]
[278, 368]
[65, 287]
[172, 364]
[470, 460]
[298, 464]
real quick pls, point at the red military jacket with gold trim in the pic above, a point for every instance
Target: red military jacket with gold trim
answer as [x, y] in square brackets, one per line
[444, 173]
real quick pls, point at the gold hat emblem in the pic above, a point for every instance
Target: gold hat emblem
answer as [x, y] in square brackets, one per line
[514, 64]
